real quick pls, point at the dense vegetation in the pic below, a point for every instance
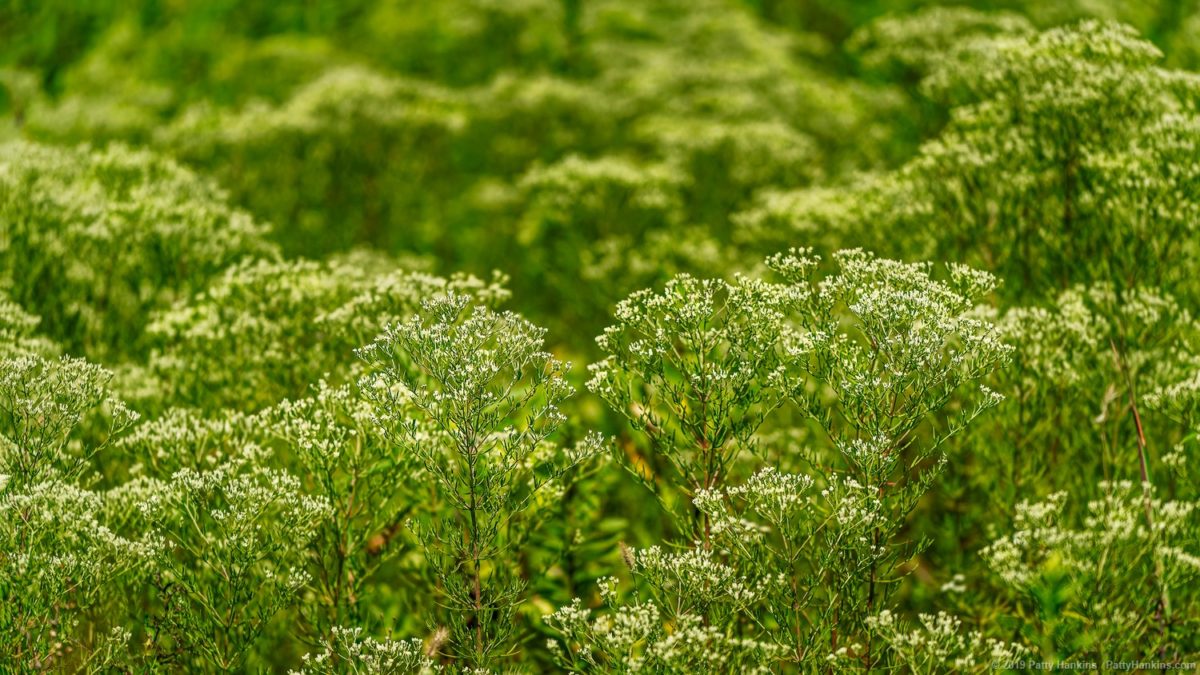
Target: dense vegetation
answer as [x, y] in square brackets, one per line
[717, 336]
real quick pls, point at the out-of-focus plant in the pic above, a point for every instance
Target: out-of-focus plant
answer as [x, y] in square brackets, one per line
[353, 157]
[93, 240]
[1111, 587]
[18, 332]
[1061, 152]
[907, 47]
[264, 331]
[938, 643]
[599, 228]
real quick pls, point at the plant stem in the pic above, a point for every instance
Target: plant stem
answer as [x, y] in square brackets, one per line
[1163, 613]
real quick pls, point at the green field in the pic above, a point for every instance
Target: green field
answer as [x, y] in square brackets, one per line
[599, 336]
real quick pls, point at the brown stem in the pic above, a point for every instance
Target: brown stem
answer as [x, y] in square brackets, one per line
[1163, 612]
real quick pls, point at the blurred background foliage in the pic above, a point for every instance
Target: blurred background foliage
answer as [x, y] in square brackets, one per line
[477, 133]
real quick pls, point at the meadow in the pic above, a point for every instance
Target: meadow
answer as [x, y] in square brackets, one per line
[599, 336]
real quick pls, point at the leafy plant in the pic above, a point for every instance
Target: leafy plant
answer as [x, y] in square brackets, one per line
[470, 393]
[237, 536]
[843, 457]
[870, 354]
[62, 556]
[93, 240]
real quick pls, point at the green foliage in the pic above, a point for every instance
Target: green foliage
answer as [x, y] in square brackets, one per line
[266, 330]
[237, 535]
[1049, 565]
[473, 397]
[870, 354]
[62, 554]
[92, 241]
[950, 427]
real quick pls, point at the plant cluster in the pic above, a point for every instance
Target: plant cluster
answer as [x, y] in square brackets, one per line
[717, 336]
[794, 563]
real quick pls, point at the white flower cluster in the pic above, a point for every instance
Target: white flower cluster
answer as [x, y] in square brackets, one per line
[181, 437]
[773, 493]
[347, 650]
[939, 643]
[62, 543]
[1118, 521]
[469, 351]
[693, 646]
[855, 507]
[1062, 345]
[130, 221]
[1036, 530]
[696, 578]
[1181, 398]
[44, 401]
[779, 500]
[302, 317]
[634, 638]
